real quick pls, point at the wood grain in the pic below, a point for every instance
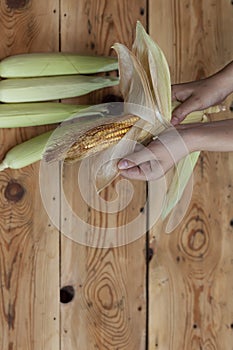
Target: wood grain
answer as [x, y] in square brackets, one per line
[29, 245]
[109, 307]
[191, 281]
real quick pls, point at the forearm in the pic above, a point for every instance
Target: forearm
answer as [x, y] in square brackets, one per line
[214, 136]
[224, 79]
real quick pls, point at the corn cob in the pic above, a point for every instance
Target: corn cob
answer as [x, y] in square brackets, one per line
[32, 114]
[94, 140]
[51, 88]
[48, 64]
[99, 138]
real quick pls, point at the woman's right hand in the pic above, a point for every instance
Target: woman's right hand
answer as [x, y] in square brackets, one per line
[201, 94]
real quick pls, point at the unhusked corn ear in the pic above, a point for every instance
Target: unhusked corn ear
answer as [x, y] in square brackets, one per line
[51, 88]
[26, 153]
[99, 138]
[48, 64]
[31, 114]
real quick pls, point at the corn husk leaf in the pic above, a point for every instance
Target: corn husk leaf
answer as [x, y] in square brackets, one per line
[156, 68]
[139, 88]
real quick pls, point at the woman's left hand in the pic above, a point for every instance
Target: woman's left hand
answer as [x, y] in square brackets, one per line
[153, 161]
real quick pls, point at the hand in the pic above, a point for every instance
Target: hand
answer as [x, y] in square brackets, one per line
[153, 161]
[199, 95]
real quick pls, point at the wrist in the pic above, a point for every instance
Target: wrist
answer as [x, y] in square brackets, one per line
[224, 79]
[192, 138]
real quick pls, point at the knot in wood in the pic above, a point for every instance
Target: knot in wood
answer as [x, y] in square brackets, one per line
[14, 192]
[194, 240]
[16, 4]
[67, 294]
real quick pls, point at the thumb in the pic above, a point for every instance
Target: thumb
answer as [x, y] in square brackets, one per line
[186, 107]
[136, 158]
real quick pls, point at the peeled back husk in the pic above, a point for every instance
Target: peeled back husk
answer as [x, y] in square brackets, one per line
[145, 81]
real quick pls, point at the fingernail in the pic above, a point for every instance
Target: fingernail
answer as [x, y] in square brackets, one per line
[123, 164]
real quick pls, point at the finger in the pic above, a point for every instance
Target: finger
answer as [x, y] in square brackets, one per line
[146, 171]
[186, 107]
[134, 173]
[136, 158]
[181, 92]
[188, 126]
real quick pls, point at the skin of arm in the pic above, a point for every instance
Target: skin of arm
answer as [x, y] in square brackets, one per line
[153, 161]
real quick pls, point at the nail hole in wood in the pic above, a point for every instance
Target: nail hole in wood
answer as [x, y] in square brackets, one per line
[14, 192]
[231, 222]
[150, 253]
[89, 26]
[232, 326]
[194, 326]
[66, 294]
[142, 11]
[139, 308]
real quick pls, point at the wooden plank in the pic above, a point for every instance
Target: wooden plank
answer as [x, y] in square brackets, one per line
[108, 310]
[191, 282]
[29, 245]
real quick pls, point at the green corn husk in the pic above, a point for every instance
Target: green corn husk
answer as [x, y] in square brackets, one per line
[49, 64]
[26, 153]
[32, 114]
[51, 88]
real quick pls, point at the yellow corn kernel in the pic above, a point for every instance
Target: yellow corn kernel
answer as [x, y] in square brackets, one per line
[99, 138]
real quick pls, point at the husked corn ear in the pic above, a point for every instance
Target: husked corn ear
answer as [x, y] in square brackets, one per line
[26, 153]
[95, 140]
[51, 88]
[32, 114]
[99, 138]
[48, 64]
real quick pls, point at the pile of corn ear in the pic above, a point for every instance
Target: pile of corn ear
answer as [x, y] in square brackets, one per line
[30, 81]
